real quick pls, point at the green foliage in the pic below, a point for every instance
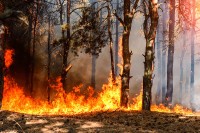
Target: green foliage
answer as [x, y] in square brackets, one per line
[90, 34]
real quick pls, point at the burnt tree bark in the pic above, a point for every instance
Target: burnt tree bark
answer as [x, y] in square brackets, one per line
[150, 29]
[2, 65]
[110, 42]
[117, 41]
[49, 59]
[28, 67]
[94, 56]
[32, 68]
[93, 77]
[126, 54]
[170, 62]
[66, 47]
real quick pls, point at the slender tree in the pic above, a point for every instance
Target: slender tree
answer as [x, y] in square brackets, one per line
[66, 45]
[165, 19]
[49, 58]
[110, 41]
[2, 65]
[159, 44]
[150, 28]
[117, 40]
[29, 66]
[36, 12]
[170, 62]
[193, 25]
[126, 54]
[94, 55]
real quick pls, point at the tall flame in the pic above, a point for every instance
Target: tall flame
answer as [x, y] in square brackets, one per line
[74, 102]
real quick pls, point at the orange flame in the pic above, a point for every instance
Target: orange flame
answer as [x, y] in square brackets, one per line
[8, 57]
[74, 102]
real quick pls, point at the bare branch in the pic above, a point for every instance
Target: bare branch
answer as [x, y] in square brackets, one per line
[120, 19]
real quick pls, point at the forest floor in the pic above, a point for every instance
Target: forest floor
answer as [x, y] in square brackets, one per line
[116, 121]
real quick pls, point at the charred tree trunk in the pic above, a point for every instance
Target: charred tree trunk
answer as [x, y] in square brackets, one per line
[66, 47]
[49, 59]
[93, 78]
[150, 35]
[61, 11]
[94, 56]
[170, 63]
[192, 53]
[117, 42]
[33, 50]
[126, 55]
[29, 65]
[110, 42]
[126, 70]
[2, 65]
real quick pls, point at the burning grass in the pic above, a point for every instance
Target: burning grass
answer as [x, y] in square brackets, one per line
[74, 102]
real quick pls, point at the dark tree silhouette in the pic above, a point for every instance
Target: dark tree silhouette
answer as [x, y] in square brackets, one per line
[170, 62]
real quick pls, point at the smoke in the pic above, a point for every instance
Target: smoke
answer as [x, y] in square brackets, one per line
[82, 65]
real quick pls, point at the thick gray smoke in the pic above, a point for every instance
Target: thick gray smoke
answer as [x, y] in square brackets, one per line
[81, 67]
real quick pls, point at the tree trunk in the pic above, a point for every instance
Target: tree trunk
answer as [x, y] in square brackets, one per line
[126, 70]
[192, 53]
[117, 42]
[148, 72]
[2, 65]
[93, 78]
[94, 56]
[164, 49]
[150, 35]
[169, 94]
[49, 59]
[159, 43]
[110, 42]
[66, 47]
[29, 64]
[126, 55]
[33, 51]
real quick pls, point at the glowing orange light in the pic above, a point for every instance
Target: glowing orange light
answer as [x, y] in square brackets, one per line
[8, 57]
[74, 102]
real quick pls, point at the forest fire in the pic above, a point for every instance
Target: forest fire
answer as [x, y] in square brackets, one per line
[74, 102]
[99, 66]
[71, 103]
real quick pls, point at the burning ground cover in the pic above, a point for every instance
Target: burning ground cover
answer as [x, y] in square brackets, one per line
[74, 102]
[76, 111]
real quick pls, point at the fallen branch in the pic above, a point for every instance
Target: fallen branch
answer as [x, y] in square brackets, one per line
[19, 126]
[68, 68]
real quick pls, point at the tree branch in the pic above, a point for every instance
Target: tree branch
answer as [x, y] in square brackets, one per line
[120, 19]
